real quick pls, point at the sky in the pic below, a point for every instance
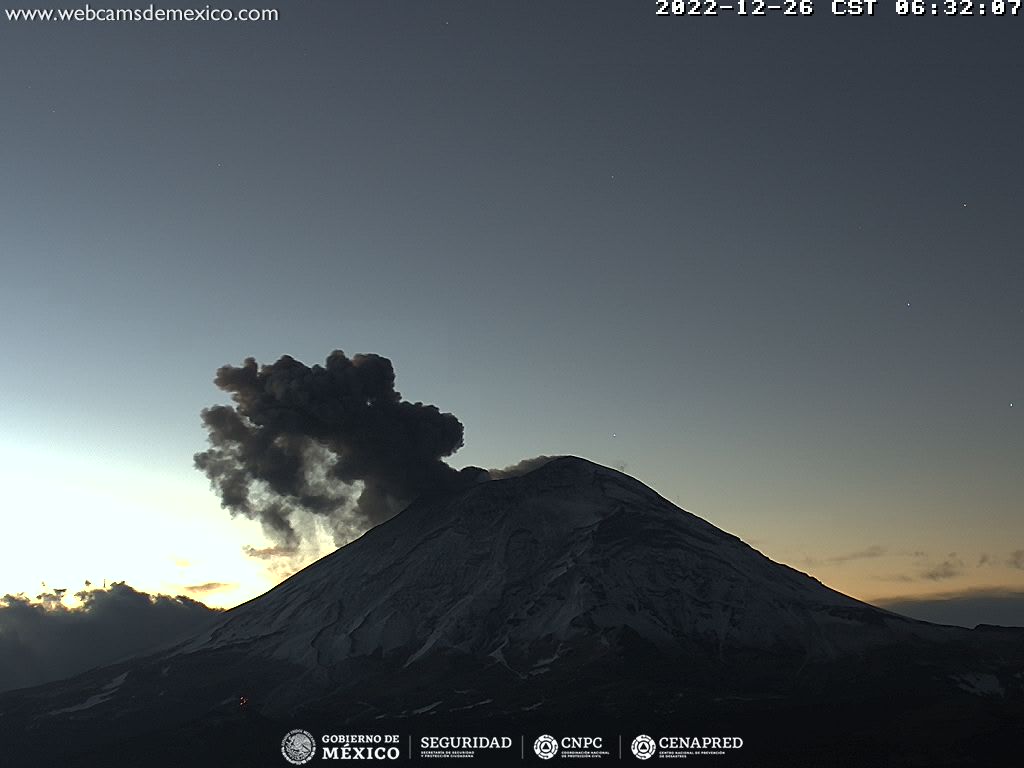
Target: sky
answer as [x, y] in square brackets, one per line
[769, 266]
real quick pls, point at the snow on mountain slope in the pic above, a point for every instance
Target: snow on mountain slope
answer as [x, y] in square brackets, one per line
[573, 595]
[520, 568]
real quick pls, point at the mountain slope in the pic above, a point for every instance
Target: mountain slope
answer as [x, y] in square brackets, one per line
[573, 592]
[569, 551]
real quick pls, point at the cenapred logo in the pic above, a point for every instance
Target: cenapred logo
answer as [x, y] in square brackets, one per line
[298, 746]
[546, 747]
[644, 747]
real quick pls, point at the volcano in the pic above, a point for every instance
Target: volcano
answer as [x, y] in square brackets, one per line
[570, 598]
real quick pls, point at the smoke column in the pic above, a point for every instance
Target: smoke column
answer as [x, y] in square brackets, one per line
[334, 443]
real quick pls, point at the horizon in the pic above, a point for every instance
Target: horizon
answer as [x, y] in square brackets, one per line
[771, 275]
[967, 608]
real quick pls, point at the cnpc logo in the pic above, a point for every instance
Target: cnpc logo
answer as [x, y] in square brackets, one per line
[547, 746]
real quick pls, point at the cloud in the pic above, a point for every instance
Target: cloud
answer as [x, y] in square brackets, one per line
[520, 468]
[895, 577]
[1016, 559]
[947, 569]
[874, 550]
[43, 640]
[331, 446]
[862, 554]
[967, 608]
[210, 586]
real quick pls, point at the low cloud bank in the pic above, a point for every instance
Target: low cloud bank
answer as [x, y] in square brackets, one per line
[1002, 607]
[42, 639]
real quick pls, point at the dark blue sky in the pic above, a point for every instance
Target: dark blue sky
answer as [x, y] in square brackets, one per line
[771, 266]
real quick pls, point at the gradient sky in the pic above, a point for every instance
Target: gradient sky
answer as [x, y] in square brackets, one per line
[770, 266]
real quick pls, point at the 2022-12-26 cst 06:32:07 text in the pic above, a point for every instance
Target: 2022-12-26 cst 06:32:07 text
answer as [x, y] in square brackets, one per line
[980, 8]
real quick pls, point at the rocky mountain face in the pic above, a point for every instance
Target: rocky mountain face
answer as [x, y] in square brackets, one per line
[572, 595]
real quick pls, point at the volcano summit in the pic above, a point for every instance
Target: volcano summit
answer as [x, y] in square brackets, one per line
[570, 597]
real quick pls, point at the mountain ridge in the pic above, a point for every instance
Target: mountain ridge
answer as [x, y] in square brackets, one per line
[574, 593]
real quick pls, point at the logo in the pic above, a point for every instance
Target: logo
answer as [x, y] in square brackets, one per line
[360, 746]
[546, 747]
[644, 747]
[298, 746]
[688, 746]
[447, 747]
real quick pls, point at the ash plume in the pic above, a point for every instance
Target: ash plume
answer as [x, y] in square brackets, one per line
[334, 445]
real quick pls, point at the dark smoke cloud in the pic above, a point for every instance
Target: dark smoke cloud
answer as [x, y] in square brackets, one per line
[43, 640]
[333, 444]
